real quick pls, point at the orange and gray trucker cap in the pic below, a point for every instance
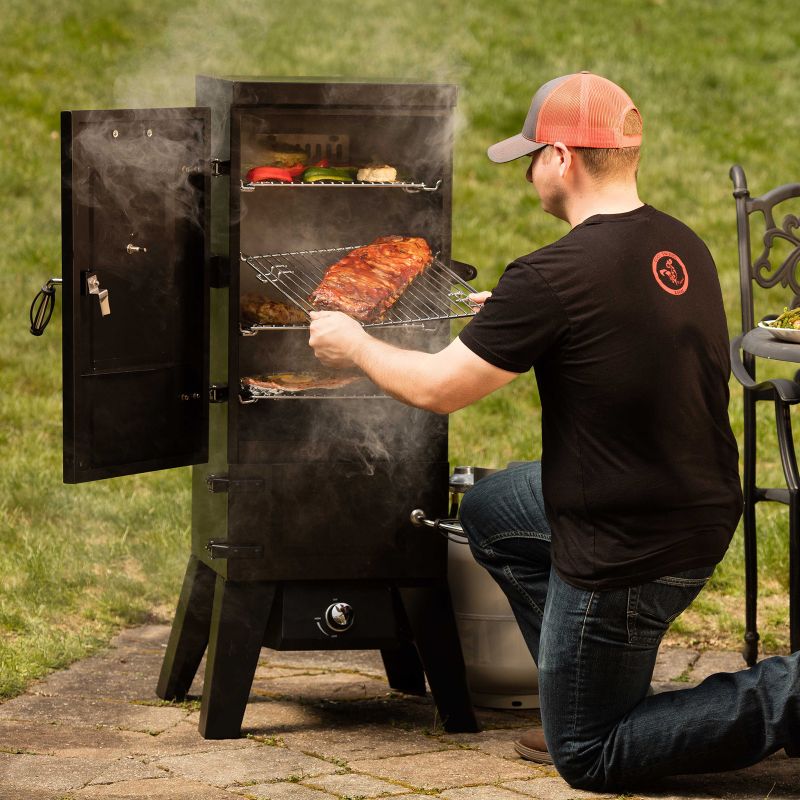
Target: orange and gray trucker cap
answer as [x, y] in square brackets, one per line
[580, 110]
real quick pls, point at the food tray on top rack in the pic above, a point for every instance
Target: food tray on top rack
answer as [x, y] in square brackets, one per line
[440, 292]
[406, 184]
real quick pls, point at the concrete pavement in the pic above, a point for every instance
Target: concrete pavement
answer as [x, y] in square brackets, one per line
[319, 726]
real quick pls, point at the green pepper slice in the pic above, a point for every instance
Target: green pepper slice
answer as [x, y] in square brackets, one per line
[334, 174]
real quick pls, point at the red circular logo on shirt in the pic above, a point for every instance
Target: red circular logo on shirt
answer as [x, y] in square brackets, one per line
[670, 272]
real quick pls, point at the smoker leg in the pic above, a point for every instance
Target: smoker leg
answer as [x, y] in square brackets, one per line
[404, 669]
[433, 623]
[238, 622]
[189, 636]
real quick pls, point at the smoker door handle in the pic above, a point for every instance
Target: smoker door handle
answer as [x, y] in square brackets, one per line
[466, 272]
[43, 305]
[449, 528]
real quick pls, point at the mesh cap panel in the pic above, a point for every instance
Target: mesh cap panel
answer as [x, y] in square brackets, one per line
[586, 111]
[580, 110]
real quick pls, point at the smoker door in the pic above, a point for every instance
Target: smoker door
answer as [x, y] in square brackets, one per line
[135, 214]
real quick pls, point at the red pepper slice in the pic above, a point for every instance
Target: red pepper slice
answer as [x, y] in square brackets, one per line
[323, 162]
[258, 174]
[297, 170]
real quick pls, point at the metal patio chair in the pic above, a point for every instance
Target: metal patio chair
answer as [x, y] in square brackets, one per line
[756, 342]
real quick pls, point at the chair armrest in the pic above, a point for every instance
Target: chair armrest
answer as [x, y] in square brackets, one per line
[788, 391]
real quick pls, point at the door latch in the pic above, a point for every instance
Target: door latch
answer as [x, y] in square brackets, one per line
[93, 287]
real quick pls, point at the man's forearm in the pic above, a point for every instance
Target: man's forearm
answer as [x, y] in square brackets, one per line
[408, 375]
[440, 382]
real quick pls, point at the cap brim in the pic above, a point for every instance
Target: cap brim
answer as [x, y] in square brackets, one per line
[513, 147]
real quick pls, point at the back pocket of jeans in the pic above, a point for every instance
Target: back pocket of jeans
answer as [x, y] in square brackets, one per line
[653, 606]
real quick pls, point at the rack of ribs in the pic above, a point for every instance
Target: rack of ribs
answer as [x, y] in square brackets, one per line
[368, 280]
[299, 381]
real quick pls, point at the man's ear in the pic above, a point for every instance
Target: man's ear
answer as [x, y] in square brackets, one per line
[564, 157]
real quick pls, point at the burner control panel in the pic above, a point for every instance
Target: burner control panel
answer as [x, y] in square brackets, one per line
[351, 614]
[339, 617]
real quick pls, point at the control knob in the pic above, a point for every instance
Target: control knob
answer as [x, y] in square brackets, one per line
[339, 617]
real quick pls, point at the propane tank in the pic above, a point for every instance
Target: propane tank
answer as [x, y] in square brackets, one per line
[501, 672]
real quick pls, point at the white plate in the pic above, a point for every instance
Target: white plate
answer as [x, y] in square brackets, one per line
[784, 334]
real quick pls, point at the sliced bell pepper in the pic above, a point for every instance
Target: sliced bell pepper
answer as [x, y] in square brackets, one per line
[281, 174]
[332, 174]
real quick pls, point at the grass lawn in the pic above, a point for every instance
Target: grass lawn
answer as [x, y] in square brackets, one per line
[716, 84]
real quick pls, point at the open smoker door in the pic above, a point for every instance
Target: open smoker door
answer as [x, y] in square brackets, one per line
[135, 214]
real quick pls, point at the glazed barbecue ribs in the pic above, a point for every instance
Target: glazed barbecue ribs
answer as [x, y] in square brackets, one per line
[368, 280]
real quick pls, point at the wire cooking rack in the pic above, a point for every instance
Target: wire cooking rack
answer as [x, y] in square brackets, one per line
[436, 294]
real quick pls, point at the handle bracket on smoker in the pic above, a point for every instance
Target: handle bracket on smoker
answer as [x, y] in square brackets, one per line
[219, 548]
[218, 393]
[467, 272]
[219, 167]
[449, 528]
[222, 483]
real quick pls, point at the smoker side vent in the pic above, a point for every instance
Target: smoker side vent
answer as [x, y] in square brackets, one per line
[407, 185]
[437, 294]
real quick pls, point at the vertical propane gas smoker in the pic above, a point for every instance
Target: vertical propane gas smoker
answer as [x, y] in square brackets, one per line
[301, 536]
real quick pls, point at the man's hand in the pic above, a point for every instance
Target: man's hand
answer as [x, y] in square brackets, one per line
[478, 298]
[335, 338]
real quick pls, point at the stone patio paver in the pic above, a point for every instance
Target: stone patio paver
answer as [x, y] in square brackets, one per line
[329, 686]
[552, 789]
[153, 789]
[366, 661]
[85, 711]
[480, 793]
[332, 729]
[265, 716]
[75, 741]
[445, 769]
[248, 765]
[363, 742]
[496, 743]
[673, 662]
[712, 661]
[103, 677]
[267, 673]
[127, 769]
[354, 785]
[287, 791]
[48, 773]
[184, 739]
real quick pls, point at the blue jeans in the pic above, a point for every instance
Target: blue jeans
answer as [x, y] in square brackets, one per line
[596, 651]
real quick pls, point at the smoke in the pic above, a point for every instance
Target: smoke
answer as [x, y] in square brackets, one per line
[139, 167]
[419, 43]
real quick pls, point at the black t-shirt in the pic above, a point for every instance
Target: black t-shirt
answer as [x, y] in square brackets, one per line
[623, 323]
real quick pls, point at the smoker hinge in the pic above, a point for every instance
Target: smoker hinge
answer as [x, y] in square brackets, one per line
[220, 276]
[217, 394]
[219, 548]
[222, 483]
[219, 167]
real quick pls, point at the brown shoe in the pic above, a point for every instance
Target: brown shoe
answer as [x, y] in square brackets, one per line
[531, 746]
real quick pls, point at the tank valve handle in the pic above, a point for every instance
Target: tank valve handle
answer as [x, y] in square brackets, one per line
[449, 528]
